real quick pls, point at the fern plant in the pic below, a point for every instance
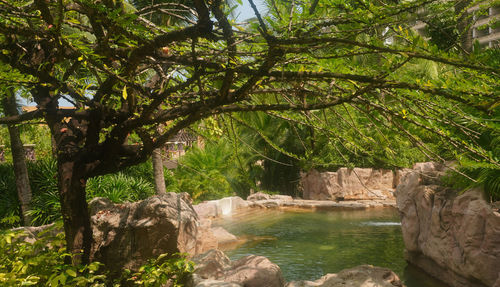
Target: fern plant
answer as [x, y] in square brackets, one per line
[119, 187]
[9, 204]
[45, 206]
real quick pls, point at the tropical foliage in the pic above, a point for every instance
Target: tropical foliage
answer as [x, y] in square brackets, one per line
[132, 184]
[352, 70]
[41, 263]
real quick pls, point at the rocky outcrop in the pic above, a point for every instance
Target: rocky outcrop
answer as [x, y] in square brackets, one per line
[349, 184]
[364, 275]
[127, 235]
[214, 268]
[455, 238]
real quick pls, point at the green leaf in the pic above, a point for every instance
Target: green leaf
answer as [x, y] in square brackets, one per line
[71, 272]
[124, 93]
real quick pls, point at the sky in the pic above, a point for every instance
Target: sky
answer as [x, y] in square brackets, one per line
[245, 11]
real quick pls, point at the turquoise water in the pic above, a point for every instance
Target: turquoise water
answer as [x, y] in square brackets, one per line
[307, 245]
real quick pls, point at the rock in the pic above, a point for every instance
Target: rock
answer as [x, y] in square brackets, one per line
[348, 184]
[33, 233]
[207, 209]
[455, 238]
[281, 197]
[212, 264]
[360, 183]
[127, 235]
[264, 196]
[223, 236]
[360, 276]
[258, 196]
[430, 172]
[271, 203]
[398, 175]
[217, 283]
[428, 167]
[207, 239]
[214, 267]
[255, 271]
[319, 186]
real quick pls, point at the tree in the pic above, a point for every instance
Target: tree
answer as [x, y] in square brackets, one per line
[102, 55]
[18, 159]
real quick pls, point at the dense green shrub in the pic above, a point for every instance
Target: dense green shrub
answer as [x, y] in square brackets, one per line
[132, 184]
[479, 174]
[9, 204]
[157, 272]
[39, 135]
[119, 187]
[45, 205]
[205, 173]
[42, 263]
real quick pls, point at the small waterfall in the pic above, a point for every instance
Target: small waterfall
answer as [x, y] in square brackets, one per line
[225, 205]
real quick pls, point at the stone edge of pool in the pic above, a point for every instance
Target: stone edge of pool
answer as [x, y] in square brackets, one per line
[235, 205]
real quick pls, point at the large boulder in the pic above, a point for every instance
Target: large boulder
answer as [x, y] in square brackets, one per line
[127, 235]
[214, 268]
[359, 276]
[455, 238]
[349, 184]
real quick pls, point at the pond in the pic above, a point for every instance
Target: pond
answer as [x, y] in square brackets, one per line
[308, 245]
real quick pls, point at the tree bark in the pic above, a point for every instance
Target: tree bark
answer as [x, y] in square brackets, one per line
[18, 159]
[158, 171]
[74, 209]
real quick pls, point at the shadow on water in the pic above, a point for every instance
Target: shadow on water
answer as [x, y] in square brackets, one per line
[307, 245]
[416, 277]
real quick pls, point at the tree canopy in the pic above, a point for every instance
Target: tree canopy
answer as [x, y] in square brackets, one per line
[126, 72]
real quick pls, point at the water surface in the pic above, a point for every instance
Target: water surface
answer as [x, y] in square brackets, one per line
[307, 245]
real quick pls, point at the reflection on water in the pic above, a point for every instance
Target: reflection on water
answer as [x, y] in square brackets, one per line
[307, 245]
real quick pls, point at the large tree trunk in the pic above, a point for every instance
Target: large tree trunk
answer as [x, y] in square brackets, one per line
[74, 210]
[18, 159]
[158, 172]
[69, 140]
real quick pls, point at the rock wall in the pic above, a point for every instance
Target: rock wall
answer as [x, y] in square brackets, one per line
[455, 238]
[350, 184]
[255, 202]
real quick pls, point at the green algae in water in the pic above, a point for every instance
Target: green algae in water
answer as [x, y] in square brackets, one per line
[308, 245]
